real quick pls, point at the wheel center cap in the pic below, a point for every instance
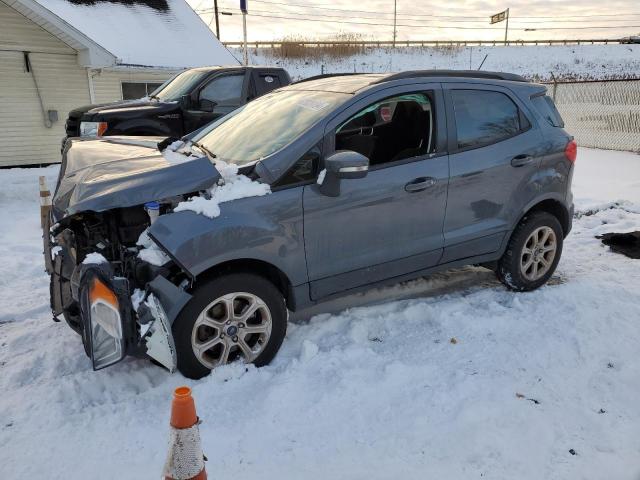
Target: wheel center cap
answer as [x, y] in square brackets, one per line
[232, 330]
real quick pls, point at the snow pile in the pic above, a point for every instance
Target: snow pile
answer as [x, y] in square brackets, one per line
[94, 258]
[536, 385]
[180, 152]
[233, 187]
[174, 154]
[532, 61]
[137, 297]
[150, 251]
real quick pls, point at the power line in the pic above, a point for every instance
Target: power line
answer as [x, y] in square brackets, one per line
[537, 22]
[438, 16]
[435, 26]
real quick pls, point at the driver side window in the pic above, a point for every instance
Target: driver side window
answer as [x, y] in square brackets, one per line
[389, 130]
[225, 90]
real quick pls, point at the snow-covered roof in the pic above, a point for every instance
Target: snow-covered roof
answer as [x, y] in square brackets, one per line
[156, 33]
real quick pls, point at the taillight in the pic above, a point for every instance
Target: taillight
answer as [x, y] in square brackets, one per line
[571, 151]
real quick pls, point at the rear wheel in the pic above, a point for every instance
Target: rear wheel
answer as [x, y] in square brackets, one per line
[533, 252]
[238, 316]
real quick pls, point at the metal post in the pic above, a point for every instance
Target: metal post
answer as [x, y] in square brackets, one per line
[245, 54]
[395, 13]
[215, 9]
[506, 28]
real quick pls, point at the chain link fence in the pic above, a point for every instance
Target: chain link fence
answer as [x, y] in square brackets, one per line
[601, 114]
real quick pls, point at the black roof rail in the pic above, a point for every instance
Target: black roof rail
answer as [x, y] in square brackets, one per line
[453, 73]
[325, 75]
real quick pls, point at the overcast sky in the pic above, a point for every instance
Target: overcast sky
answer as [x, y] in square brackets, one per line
[425, 19]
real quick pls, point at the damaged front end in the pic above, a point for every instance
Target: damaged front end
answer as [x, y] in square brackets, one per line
[109, 280]
[119, 303]
[112, 328]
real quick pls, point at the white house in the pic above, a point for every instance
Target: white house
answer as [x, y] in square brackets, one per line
[56, 55]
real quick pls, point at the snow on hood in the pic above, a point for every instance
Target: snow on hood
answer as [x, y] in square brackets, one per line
[99, 175]
[232, 186]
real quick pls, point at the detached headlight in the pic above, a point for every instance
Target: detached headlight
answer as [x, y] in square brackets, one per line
[107, 341]
[92, 129]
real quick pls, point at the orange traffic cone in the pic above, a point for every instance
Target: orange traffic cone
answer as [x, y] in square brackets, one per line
[185, 460]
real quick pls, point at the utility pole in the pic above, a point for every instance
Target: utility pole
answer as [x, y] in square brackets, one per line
[506, 28]
[245, 54]
[395, 14]
[215, 9]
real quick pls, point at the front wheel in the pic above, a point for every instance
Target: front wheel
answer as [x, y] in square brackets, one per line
[532, 254]
[239, 316]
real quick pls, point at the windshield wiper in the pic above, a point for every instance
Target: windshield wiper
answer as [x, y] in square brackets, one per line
[208, 152]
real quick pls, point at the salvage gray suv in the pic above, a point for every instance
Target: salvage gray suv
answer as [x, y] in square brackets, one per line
[192, 251]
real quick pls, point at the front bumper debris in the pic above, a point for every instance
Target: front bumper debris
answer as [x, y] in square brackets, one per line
[156, 315]
[112, 329]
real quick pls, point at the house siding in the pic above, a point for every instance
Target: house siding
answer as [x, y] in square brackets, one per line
[62, 82]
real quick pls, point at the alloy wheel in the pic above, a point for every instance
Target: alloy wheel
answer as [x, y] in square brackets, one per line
[233, 326]
[538, 253]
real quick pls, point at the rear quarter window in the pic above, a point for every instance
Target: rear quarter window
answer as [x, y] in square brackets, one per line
[484, 117]
[545, 107]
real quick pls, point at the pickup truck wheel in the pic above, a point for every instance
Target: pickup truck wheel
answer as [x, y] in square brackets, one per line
[239, 316]
[533, 253]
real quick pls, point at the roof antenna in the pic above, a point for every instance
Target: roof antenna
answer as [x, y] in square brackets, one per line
[482, 63]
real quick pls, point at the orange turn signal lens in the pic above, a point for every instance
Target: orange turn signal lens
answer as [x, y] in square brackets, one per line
[100, 291]
[102, 127]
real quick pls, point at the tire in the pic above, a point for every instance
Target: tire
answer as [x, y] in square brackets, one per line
[521, 271]
[207, 319]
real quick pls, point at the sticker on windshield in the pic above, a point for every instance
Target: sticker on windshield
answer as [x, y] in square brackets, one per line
[310, 104]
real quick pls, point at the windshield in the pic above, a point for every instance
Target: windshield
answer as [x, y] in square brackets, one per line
[182, 84]
[267, 124]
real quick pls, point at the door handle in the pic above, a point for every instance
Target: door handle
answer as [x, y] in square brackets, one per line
[521, 160]
[419, 184]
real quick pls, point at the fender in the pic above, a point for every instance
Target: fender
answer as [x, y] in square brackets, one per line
[254, 228]
[559, 199]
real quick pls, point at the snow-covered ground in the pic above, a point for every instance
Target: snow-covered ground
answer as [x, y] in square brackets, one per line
[541, 62]
[368, 392]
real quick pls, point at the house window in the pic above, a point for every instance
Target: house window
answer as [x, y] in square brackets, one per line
[133, 90]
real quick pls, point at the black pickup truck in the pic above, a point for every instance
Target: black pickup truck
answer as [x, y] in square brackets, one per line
[181, 105]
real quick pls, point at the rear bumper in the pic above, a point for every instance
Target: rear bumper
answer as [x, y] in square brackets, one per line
[570, 221]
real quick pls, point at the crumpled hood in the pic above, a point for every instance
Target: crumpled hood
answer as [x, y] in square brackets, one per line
[114, 172]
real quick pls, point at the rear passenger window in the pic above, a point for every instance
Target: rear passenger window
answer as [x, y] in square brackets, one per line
[484, 117]
[545, 107]
[267, 82]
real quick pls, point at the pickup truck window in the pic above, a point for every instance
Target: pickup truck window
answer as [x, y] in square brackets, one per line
[267, 124]
[267, 82]
[224, 90]
[182, 84]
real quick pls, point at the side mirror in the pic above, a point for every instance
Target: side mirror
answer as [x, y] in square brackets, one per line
[185, 101]
[342, 164]
[206, 105]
